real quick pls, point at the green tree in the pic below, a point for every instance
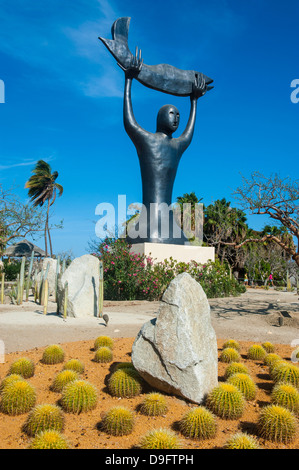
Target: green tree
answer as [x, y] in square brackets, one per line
[43, 189]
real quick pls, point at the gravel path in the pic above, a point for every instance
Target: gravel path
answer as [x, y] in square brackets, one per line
[251, 317]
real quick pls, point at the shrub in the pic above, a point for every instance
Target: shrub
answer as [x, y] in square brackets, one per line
[53, 354]
[226, 401]
[44, 418]
[198, 423]
[49, 440]
[154, 404]
[118, 421]
[23, 366]
[18, 397]
[79, 396]
[242, 440]
[129, 276]
[160, 439]
[229, 355]
[276, 423]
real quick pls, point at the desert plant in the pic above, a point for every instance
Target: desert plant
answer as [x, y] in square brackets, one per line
[103, 354]
[160, 439]
[103, 341]
[44, 417]
[124, 365]
[229, 355]
[256, 352]
[118, 421]
[154, 404]
[274, 365]
[62, 379]
[268, 347]
[245, 384]
[125, 383]
[277, 423]
[18, 397]
[286, 373]
[270, 358]
[79, 396]
[23, 366]
[53, 354]
[234, 368]
[49, 440]
[9, 379]
[231, 343]
[226, 401]
[198, 423]
[74, 364]
[241, 440]
[286, 395]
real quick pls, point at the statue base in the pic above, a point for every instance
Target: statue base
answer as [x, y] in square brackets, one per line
[181, 253]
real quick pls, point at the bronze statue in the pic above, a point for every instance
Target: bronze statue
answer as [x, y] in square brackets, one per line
[159, 153]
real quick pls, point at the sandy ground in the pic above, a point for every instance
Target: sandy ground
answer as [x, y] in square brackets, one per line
[251, 317]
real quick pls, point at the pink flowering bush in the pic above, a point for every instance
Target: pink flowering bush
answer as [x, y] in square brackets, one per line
[129, 276]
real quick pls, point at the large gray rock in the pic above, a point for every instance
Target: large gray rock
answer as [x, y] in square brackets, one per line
[177, 351]
[51, 276]
[82, 277]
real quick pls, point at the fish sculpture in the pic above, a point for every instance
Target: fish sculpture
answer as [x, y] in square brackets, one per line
[161, 77]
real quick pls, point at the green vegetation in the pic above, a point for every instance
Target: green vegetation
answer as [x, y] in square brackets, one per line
[118, 421]
[198, 423]
[79, 396]
[44, 417]
[160, 439]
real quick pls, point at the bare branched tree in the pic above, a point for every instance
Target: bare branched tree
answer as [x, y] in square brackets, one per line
[278, 198]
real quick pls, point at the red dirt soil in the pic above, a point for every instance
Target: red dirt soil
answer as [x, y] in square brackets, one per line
[83, 431]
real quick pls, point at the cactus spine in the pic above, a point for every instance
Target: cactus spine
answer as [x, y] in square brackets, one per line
[245, 384]
[49, 440]
[53, 354]
[18, 397]
[256, 352]
[234, 368]
[226, 401]
[79, 396]
[286, 395]
[103, 355]
[125, 383]
[43, 418]
[160, 439]
[154, 404]
[229, 355]
[242, 440]
[62, 379]
[23, 366]
[199, 423]
[103, 341]
[75, 365]
[276, 423]
[118, 421]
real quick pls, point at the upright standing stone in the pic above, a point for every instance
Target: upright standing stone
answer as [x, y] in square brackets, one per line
[177, 351]
[83, 287]
[51, 273]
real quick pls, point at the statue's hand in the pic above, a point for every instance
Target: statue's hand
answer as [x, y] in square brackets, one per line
[199, 87]
[133, 70]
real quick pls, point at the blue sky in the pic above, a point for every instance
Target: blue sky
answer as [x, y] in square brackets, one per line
[63, 98]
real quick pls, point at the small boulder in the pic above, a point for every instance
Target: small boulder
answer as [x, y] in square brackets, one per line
[82, 276]
[177, 351]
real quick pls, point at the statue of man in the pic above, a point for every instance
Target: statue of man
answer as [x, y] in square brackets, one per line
[159, 156]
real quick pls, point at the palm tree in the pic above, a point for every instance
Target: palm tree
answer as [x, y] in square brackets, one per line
[43, 189]
[188, 198]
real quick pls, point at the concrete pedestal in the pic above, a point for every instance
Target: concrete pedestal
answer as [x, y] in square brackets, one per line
[181, 253]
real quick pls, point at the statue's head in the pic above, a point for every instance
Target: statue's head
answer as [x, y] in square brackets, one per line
[168, 119]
